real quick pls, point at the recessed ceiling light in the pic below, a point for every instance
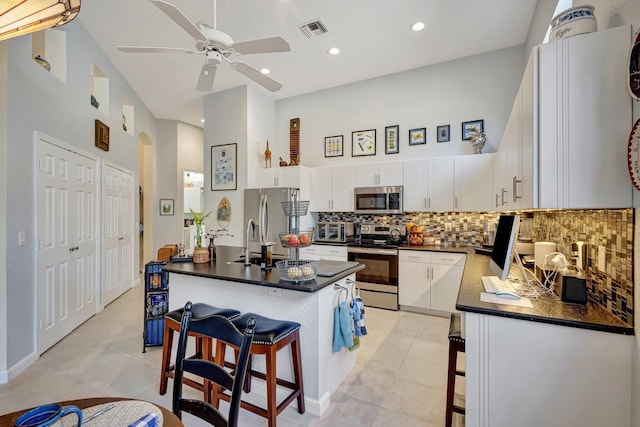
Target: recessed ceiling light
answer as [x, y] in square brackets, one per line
[418, 26]
[334, 51]
[201, 120]
[265, 70]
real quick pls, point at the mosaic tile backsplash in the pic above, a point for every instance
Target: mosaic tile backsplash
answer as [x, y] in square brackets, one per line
[610, 228]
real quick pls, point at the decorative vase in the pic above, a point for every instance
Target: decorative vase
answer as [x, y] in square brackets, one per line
[200, 255]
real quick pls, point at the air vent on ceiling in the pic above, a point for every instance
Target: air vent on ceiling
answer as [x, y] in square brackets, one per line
[313, 28]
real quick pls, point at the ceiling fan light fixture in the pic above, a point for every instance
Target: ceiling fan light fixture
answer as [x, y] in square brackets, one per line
[333, 51]
[28, 16]
[418, 26]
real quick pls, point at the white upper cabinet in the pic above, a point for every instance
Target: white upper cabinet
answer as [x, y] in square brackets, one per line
[429, 184]
[585, 118]
[473, 183]
[385, 174]
[289, 176]
[332, 189]
[515, 177]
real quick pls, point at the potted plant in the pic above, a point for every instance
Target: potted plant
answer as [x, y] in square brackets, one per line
[200, 253]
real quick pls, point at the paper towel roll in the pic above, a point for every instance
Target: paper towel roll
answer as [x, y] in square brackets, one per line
[540, 250]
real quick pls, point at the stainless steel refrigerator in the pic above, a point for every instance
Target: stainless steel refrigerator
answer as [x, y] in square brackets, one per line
[275, 217]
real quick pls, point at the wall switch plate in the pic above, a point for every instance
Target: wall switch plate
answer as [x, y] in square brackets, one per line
[602, 258]
[275, 292]
[21, 238]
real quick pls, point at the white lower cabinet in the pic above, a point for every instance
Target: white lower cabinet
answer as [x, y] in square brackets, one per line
[429, 281]
[324, 252]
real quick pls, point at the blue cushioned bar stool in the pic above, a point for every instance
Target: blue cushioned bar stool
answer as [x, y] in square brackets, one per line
[456, 345]
[270, 336]
[203, 344]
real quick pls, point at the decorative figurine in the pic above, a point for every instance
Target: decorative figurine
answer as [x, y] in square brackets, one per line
[267, 156]
[282, 162]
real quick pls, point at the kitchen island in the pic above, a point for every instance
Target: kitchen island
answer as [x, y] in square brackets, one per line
[230, 284]
[555, 364]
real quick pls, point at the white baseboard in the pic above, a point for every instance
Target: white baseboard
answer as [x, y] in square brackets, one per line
[317, 407]
[18, 368]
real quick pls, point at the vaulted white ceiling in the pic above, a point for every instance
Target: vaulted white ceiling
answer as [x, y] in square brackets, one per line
[374, 38]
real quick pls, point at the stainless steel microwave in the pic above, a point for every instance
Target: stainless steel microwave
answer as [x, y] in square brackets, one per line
[338, 232]
[378, 200]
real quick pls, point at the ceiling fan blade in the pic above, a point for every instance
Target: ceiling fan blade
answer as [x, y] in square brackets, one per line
[207, 74]
[255, 75]
[270, 45]
[179, 18]
[144, 49]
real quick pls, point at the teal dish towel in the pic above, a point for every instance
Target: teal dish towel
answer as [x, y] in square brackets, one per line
[342, 323]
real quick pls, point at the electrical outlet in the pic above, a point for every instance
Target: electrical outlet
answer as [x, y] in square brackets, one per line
[602, 258]
[275, 292]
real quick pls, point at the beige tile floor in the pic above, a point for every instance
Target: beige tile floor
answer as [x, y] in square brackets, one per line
[399, 379]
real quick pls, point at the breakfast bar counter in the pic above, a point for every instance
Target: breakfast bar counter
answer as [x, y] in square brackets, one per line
[555, 364]
[229, 284]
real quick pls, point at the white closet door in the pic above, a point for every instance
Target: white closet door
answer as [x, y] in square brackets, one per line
[117, 200]
[67, 241]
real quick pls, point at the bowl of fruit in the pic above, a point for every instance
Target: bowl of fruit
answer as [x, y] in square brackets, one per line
[297, 271]
[296, 240]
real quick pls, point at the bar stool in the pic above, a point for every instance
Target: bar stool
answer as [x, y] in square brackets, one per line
[456, 345]
[172, 323]
[270, 337]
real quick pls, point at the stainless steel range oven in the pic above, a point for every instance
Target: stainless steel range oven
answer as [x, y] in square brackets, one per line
[376, 247]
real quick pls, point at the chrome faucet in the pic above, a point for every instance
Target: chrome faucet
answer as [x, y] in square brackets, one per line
[251, 225]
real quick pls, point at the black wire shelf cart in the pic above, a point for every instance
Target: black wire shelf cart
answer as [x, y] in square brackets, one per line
[156, 303]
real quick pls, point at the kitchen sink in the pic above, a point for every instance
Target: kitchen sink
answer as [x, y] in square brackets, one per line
[256, 260]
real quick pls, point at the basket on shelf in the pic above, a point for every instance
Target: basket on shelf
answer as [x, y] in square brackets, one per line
[301, 239]
[295, 208]
[297, 271]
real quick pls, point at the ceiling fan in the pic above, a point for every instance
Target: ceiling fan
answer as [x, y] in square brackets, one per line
[216, 46]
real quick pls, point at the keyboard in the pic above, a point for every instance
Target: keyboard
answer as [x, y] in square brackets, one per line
[493, 285]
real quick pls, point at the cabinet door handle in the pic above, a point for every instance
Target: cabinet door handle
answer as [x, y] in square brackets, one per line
[429, 204]
[432, 277]
[497, 197]
[455, 203]
[503, 191]
[425, 203]
[428, 278]
[516, 181]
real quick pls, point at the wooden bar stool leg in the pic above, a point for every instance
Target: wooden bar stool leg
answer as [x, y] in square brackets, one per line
[166, 356]
[214, 392]
[272, 412]
[451, 383]
[297, 371]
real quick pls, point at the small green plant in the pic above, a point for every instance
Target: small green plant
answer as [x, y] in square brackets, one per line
[198, 220]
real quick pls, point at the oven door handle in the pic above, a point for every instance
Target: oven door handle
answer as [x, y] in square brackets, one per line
[374, 251]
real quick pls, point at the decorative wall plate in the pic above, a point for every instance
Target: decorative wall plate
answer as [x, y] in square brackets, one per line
[633, 155]
[634, 67]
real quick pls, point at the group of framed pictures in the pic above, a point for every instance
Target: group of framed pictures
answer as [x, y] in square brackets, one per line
[363, 142]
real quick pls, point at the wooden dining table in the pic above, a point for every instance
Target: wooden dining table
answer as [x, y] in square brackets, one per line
[169, 418]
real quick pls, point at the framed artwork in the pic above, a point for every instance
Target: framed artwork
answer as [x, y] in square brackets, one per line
[224, 165]
[443, 133]
[363, 143]
[391, 145]
[417, 136]
[333, 146]
[166, 206]
[102, 135]
[468, 128]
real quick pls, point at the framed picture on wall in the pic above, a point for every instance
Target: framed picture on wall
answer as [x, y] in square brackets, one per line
[391, 145]
[224, 174]
[363, 143]
[469, 128]
[443, 133]
[417, 136]
[166, 206]
[333, 146]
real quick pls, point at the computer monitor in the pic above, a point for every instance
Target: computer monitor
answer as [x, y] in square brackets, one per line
[503, 245]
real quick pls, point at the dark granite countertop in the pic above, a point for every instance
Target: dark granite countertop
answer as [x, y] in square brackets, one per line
[590, 316]
[225, 268]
